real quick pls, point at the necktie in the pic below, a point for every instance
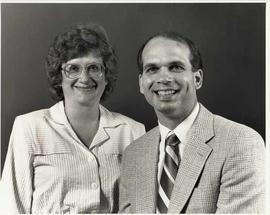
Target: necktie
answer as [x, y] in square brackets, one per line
[169, 172]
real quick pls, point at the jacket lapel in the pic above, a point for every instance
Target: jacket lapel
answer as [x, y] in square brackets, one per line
[146, 185]
[195, 155]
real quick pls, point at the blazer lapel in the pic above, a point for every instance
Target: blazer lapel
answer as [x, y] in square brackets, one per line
[195, 155]
[146, 185]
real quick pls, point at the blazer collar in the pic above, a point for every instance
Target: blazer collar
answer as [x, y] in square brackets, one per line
[195, 155]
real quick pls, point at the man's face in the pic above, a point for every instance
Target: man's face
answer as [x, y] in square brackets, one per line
[168, 82]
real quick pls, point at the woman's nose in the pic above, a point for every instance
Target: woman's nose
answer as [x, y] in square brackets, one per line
[84, 76]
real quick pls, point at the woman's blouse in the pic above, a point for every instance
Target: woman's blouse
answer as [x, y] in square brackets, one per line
[49, 170]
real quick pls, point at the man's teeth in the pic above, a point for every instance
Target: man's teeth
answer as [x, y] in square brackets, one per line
[85, 87]
[165, 92]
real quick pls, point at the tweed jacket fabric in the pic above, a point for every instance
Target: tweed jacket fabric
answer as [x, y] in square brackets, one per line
[221, 171]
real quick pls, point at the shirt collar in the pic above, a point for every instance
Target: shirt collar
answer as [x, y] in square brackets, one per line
[107, 118]
[182, 129]
[57, 113]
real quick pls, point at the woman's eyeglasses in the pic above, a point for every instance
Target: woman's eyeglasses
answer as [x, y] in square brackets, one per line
[73, 70]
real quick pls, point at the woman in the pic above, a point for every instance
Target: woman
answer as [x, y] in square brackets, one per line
[66, 159]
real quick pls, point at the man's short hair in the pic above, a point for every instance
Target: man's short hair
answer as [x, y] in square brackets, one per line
[195, 56]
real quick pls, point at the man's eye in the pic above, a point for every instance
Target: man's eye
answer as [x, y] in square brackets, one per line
[176, 68]
[151, 70]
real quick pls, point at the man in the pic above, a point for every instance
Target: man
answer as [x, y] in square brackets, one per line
[193, 161]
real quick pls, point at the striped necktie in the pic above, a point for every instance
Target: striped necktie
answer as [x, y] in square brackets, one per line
[169, 172]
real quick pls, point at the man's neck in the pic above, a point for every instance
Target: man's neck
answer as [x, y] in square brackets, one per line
[171, 121]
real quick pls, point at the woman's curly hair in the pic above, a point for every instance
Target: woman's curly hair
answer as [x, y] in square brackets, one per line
[78, 42]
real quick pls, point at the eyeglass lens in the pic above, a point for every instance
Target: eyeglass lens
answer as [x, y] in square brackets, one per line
[75, 70]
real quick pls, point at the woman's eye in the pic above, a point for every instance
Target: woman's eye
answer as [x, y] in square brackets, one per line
[93, 68]
[73, 68]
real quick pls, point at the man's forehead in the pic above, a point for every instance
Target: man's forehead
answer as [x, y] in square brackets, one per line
[160, 40]
[160, 48]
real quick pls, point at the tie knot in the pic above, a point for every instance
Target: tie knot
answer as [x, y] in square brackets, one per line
[172, 140]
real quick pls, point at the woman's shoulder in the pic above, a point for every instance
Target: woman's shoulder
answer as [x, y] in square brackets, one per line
[29, 124]
[33, 116]
[126, 119]
[119, 118]
[36, 117]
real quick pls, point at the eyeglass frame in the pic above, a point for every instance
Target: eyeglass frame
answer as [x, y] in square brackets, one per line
[84, 67]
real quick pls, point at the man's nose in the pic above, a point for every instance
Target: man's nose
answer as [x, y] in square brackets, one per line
[164, 75]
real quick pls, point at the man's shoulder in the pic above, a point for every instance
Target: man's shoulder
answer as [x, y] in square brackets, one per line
[223, 125]
[226, 131]
[234, 134]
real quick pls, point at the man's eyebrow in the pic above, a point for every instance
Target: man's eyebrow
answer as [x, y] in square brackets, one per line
[177, 62]
[150, 65]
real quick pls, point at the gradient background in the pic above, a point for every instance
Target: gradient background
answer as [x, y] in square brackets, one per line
[230, 36]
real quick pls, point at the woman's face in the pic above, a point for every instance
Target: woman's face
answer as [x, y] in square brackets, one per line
[83, 80]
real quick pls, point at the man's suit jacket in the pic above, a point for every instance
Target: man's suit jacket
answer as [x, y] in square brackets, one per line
[221, 171]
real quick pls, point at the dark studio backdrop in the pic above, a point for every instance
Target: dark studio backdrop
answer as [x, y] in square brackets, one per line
[230, 36]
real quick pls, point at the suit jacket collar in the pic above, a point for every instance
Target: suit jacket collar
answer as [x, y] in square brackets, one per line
[195, 155]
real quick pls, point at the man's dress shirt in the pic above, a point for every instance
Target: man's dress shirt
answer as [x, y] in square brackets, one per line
[180, 131]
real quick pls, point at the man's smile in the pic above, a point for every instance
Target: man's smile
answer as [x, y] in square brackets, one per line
[165, 92]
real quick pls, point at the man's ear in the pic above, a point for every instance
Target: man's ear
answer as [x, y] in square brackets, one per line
[140, 84]
[198, 78]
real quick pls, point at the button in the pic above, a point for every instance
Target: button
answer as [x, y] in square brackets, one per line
[94, 185]
[91, 158]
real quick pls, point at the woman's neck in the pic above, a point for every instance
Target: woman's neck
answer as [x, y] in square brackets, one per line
[81, 113]
[84, 120]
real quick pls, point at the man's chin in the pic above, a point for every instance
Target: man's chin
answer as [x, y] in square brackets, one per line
[166, 109]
